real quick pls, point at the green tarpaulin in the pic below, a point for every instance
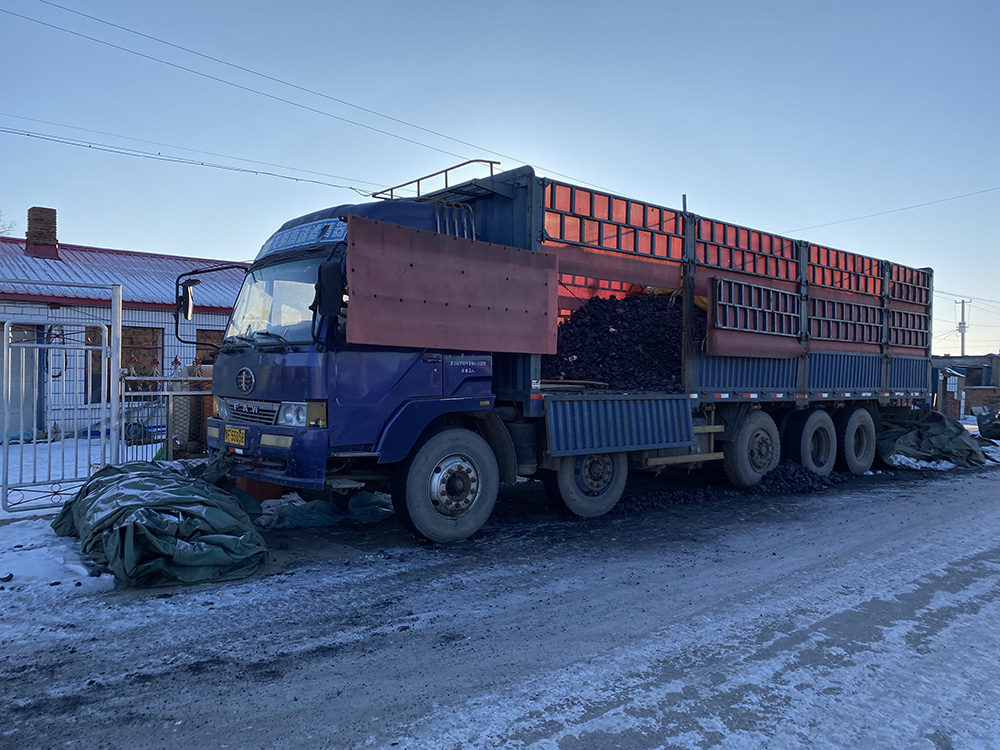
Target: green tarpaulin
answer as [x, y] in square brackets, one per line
[937, 438]
[156, 523]
[989, 423]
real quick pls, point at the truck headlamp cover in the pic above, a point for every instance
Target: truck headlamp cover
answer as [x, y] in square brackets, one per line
[292, 414]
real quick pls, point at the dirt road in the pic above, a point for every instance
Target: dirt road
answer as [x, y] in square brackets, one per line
[864, 616]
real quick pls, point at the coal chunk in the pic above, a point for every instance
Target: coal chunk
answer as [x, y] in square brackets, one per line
[633, 343]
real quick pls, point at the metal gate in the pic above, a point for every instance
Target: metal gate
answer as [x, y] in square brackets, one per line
[61, 403]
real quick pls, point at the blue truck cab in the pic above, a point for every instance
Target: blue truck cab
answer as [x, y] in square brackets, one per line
[297, 404]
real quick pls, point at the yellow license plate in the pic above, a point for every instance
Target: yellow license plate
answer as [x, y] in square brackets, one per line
[235, 436]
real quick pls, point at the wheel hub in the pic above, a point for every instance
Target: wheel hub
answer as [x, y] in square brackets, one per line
[761, 450]
[595, 472]
[819, 447]
[454, 486]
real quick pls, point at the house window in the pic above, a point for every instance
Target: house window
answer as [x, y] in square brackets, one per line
[94, 374]
[974, 377]
[206, 337]
[23, 378]
[142, 355]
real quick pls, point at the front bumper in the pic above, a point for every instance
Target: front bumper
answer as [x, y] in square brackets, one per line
[289, 456]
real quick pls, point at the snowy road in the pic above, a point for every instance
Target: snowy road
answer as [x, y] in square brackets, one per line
[859, 617]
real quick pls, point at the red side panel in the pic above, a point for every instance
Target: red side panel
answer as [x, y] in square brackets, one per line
[615, 266]
[587, 272]
[744, 344]
[411, 288]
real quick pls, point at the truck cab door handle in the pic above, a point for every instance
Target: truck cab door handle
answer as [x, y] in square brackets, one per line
[432, 359]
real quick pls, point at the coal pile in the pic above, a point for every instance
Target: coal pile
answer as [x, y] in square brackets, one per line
[633, 343]
[789, 478]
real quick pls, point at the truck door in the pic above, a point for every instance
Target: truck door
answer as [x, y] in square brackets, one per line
[371, 385]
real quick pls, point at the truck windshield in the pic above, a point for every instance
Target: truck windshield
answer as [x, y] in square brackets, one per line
[275, 300]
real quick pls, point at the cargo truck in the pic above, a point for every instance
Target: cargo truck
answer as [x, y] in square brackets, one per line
[397, 344]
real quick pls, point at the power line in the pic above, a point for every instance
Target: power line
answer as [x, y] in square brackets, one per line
[966, 296]
[230, 83]
[367, 110]
[283, 82]
[192, 150]
[274, 79]
[894, 210]
[106, 148]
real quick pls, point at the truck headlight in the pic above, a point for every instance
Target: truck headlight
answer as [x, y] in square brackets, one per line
[292, 414]
[221, 408]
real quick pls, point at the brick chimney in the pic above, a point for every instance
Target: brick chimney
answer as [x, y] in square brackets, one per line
[41, 234]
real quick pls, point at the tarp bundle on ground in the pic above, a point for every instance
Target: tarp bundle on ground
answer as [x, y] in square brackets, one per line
[938, 438]
[363, 507]
[989, 423]
[159, 522]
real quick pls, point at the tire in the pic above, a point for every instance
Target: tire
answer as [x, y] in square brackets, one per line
[754, 450]
[446, 490]
[811, 440]
[591, 485]
[855, 431]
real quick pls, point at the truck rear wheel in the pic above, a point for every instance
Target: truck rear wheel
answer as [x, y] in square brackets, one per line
[590, 485]
[754, 450]
[855, 430]
[812, 441]
[446, 490]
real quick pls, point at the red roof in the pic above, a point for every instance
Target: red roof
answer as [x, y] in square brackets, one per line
[147, 279]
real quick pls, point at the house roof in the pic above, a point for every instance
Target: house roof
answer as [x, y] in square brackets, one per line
[147, 279]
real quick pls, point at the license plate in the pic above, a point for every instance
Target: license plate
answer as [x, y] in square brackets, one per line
[236, 436]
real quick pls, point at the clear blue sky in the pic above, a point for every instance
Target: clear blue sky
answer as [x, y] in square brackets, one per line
[776, 115]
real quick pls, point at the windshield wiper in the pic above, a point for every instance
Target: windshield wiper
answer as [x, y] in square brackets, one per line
[257, 339]
[277, 338]
[235, 342]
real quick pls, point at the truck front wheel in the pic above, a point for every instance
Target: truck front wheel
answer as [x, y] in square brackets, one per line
[447, 489]
[754, 450]
[590, 485]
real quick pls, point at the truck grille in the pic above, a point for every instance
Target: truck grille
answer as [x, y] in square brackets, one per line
[251, 412]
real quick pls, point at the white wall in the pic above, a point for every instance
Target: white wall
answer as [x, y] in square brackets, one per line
[66, 390]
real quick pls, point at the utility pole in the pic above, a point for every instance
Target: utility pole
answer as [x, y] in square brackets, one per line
[962, 327]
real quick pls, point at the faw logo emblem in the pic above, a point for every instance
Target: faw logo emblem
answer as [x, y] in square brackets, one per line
[245, 380]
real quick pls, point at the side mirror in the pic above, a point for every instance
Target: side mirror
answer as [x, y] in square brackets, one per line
[330, 288]
[185, 300]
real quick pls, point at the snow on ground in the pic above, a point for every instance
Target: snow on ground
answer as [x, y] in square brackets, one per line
[905, 462]
[863, 618]
[37, 564]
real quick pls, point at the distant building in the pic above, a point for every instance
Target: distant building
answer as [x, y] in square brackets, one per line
[44, 313]
[966, 382]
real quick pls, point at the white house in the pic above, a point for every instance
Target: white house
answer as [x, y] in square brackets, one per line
[57, 314]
